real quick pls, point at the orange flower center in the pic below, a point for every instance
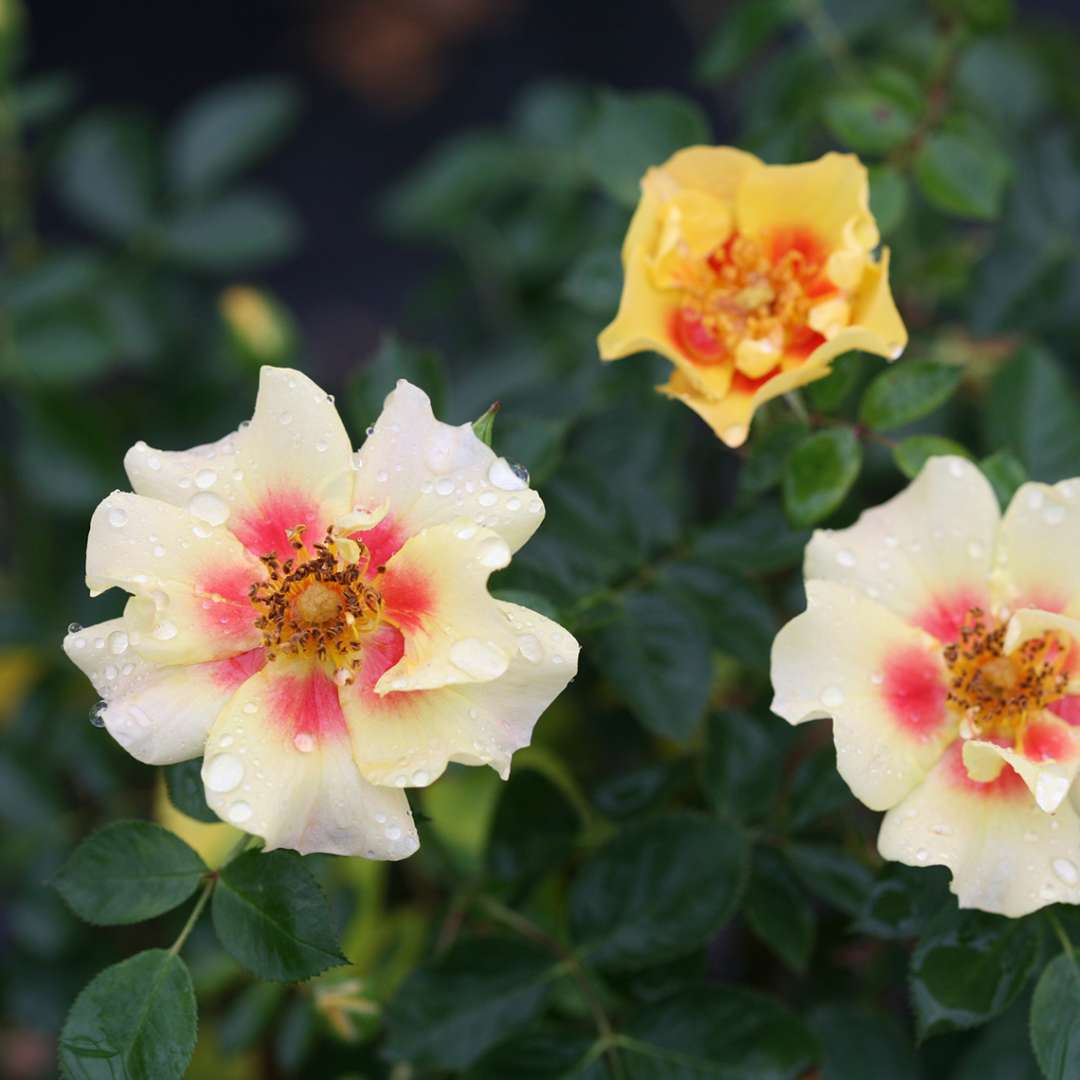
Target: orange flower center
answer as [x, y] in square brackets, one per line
[753, 290]
[997, 694]
[318, 602]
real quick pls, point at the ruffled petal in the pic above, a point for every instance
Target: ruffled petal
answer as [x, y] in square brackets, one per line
[434, 591]
[882, 682]
[925, 554]
[832, 194]
[292, 465]
[407, 739]
[190, 581]
[160, 715]
[428, 473]
[1036, 564]
[1006, 855]
[278, 764]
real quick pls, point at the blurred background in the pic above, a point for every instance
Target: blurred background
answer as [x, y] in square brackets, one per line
[438, 189]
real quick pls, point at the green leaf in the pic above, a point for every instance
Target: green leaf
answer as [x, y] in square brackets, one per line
[248, 1016]
[271, 916]
[861, 1042]
[186, 792]
[743, 763]
[127, 872]
[1005, 474]
[66, 346]
[630, 132]
[136, 1020]
[1032, 411]
[223, 132]
[1055, 1019]
[721, 1032]
[777, 910]
[763, 466]
[906, 392]
[594, 282]
[395, 359]
[903, 900]
[817, 790]
[534, 828]
[830, 393]
[660, 889]
[241, 230]
[739, 618]
[656, 653]
[484, 426]
[889, 197]
[105, 174]
[41, 99]
[962, 171]
[449, 1014]
[742, 29]
[833, 874]
[968, 967]
[759, 538]
[540, 1053]
[819, 473]
[1001, 1050]
[868, 120]
[913, 453]
[51, 281]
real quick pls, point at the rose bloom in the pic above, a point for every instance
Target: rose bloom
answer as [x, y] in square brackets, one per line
[942, 640]
[751, 279]
[315, 622]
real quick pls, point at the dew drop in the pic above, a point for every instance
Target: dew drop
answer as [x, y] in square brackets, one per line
[922, 855]
[845, 557]
[529, 646]
[494, 553]
[478, 659]
[117, 517]
[205, 478]
[444, 486]
[239, 812]
[97, 714]
[975, 550]
[251, 708]
[209, 507]
[159, 551]
[420, 778]
[223, 773]
[1066, 870]
[304, 742]
[285, 419]
[506, 477]
[74, 628]
[832, 697]
[1054, 515]
[164, 631]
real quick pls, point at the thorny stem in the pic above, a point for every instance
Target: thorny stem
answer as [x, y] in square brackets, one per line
[208, 887]
[527, 928]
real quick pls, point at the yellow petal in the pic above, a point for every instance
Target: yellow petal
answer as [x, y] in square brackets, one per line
[279, 764]
[880, 680]
[831, 195]
[925, 554]
[1006, 855]
[1037, 563]
[407, 739]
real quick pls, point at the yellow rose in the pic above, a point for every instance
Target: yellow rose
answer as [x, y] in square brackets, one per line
[751, 279]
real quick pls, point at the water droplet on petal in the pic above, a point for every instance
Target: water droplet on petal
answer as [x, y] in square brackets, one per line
[205, 478]
[505, 477]
[117, 517]
[530, 647]
[223, 773]
[165, 631]
[494, 553]
[845, 557]
[420, 778]
[97, 714]
[304, 742]
[1066, 870]
[478, 659]
[832, 697]
[239, 812]
[445, 486]
[118, 642]
[209, 507]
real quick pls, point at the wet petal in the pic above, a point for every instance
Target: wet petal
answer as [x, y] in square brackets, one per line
[1006, 855]
[291, 465]
[279, 764]
[432, 473]
[882, 682]
[407, 739]
[190, 581]
[434, 591]
[160, 715]
[1036, 563]
[925, 554]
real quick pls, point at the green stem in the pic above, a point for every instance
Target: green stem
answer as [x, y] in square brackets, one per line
[527, 928]
[196, 911]
[1066, 944]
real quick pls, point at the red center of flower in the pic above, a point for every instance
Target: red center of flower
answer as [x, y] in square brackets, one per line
[318, 602]
[996, 694]
[752, 290]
